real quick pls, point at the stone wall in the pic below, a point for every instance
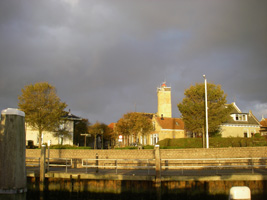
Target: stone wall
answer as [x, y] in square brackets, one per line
[236, 152]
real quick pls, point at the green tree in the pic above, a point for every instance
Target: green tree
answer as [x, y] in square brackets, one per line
[192, 108]
[109, 134]
[62, 133]
[134, 123]
[43, 108]
[81, 127]
[98, 129]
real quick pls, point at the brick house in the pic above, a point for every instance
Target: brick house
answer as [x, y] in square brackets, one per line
[240, 124]
[166, 127]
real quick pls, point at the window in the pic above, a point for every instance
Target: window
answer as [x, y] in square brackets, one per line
[240, 117]
[243, 117]
[154, 138]
[154, 125]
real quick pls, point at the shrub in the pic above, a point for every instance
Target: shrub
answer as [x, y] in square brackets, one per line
[127, 147]
[148, 147]
[214, 142]
[67, 147]
[257, 135]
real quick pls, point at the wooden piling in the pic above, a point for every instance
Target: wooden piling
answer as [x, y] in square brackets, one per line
[42, 163]
[12, 152]
[158, 172]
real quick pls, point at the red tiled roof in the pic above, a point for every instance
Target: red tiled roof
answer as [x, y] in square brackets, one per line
[170, 123]
[263, 122]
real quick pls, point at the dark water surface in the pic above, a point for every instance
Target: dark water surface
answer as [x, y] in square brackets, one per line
[128, 196]
[60, 195]
[78, 189]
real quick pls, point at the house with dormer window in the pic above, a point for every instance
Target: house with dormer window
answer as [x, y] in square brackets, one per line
[263, 129]
[67, 124]
[240, 124]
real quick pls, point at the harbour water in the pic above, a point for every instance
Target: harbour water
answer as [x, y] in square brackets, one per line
[123, 196]
[59, 195]
[129, 191]
[133, 190]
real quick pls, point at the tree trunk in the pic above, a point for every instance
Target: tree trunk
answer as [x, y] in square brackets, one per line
[203, 137]
[95, 142]
[40, 138]
[127, 140]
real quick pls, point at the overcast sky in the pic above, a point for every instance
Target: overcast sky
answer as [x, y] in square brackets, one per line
[107, 58]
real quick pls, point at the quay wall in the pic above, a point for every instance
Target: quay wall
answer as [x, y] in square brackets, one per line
[178, 189]
[231, 152]
[170, 186]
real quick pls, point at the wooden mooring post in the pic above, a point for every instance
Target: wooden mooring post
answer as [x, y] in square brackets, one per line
[96, 162]
[158, 167]
[12, 152]
[42, 164]
[158, 172]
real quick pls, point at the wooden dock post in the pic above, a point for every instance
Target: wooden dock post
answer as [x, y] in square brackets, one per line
[96, 162]
[42, 163]
[12, 152]
[158, 172]
[42, 170]
[158, 166]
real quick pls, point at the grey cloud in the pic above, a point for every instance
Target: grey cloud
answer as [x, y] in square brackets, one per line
[108, 57]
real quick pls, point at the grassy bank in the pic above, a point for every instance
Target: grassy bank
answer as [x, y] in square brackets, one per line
[214, 142]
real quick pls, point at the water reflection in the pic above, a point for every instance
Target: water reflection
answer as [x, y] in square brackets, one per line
[13, 196]
[59, 195]
[72, 189]
[48, 195]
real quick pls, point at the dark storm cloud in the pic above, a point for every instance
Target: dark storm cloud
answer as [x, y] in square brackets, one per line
[107, 58]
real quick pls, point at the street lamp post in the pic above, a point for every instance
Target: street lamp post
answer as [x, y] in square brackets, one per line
[206, 111]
